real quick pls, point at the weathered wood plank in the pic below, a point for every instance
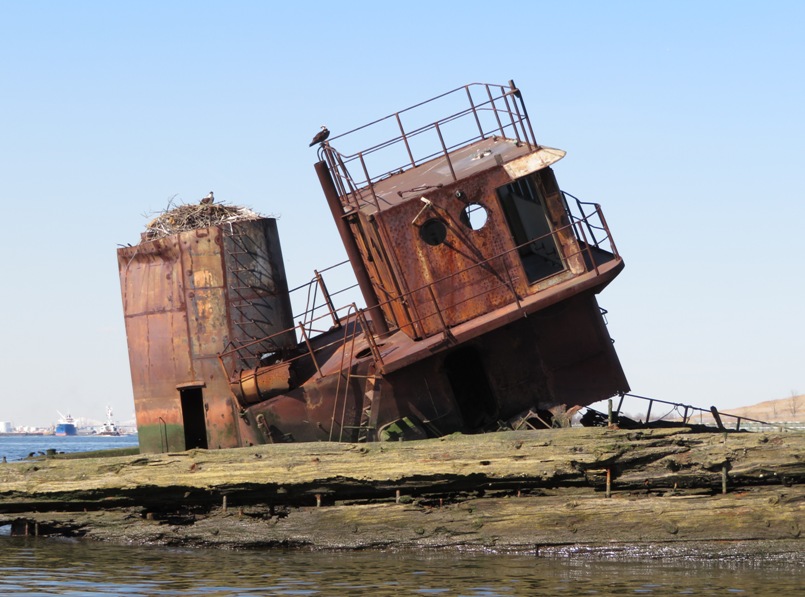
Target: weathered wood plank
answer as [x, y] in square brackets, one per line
[659, 458]
[457, 490]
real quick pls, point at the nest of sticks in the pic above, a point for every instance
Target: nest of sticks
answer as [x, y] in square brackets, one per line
[184, 217]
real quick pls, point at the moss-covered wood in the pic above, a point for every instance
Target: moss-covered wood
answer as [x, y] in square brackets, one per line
[505, 490]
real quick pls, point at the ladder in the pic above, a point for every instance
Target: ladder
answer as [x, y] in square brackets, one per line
[249, 316]
[371, 398]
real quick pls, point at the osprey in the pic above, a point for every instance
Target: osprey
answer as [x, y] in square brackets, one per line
[320, 137]
[208, 199]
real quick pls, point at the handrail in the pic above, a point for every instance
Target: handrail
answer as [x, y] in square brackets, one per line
[687, 407]
[415, 106]
[306, 325]
[350, 310]
[505, 104]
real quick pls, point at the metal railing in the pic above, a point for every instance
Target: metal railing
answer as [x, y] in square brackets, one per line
[500, 111]
[587, 229]
[422, 302]
[687, 411]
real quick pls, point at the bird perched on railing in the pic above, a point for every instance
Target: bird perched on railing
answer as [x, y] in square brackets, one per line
[208, 199]
[320, 137]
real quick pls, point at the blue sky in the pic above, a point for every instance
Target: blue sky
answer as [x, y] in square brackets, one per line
[683, 119]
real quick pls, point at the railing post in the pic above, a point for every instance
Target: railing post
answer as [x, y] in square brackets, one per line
[163, 435]
[717, 418]
[519, 96]
[405, 139]
[310, 349]
[367, 333]
[495, 110]
[587, 249]
[475, 112]
[516, 93]
[606, 229]
[369, 180]
[620, 404]
[511, 115]
[444, 148]
[327, 299]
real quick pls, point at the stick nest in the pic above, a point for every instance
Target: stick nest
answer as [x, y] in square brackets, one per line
[184, 217]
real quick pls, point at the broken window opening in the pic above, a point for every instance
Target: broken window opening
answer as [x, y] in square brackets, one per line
[524, 209]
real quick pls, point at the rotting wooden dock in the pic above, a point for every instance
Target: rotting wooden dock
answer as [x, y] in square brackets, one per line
[518, 490]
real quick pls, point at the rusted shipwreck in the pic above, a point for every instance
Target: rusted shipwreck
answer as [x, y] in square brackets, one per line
[478, 273]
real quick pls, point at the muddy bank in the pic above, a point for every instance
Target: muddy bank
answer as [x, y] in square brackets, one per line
[533, 491]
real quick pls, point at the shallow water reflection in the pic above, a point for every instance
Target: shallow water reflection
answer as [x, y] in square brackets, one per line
[48, 567]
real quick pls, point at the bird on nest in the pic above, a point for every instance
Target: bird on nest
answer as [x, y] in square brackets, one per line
[208, 199]
[320, 137]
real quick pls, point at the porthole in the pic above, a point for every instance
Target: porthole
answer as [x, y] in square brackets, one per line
[474, 216]
[433, 231]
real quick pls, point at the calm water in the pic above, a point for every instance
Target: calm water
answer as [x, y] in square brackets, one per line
[47, 567]
[39, 566]
[16, 447]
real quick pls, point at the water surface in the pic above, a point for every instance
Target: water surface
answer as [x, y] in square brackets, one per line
[34, 566]
[45, 566]
[17, 447]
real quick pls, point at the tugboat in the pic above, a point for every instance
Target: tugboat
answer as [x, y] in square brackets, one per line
[65, 426]
[479, 277]
[109, 427]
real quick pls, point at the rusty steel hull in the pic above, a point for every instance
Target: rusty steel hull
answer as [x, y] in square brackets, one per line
[468, 386]
[472, 324]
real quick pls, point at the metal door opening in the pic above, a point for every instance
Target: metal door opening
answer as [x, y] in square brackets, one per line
[195, 424]
[524, 209]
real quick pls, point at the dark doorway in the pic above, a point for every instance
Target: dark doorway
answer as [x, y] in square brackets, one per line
[465, 372]
[195, 425]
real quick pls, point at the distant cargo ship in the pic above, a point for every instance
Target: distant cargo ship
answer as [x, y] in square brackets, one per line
[66, 425]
